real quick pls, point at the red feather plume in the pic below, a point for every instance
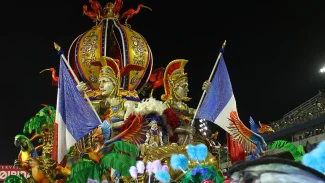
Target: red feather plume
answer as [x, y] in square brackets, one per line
[133, 128]
[133, 132]
[172, 118]
[130, 67]
[157, 78]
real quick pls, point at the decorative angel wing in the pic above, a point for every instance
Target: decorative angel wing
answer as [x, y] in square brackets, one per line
[254, 127]
[130, 67]
[244, 136]
[139, 137]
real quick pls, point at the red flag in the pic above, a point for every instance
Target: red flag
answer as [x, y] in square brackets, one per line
[235, 150]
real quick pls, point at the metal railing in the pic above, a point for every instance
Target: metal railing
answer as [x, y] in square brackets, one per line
[305, 106]
[284, 124]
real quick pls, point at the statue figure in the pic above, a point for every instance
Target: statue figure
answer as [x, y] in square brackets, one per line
[175, 97]
[176, 90]
[109, 103]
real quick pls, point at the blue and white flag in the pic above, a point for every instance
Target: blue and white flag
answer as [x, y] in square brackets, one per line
[74, 117]
[219, 100]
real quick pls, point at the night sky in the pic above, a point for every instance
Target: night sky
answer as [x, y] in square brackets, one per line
[274, 52]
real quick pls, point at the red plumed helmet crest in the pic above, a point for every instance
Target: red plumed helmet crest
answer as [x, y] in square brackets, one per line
[173, 72]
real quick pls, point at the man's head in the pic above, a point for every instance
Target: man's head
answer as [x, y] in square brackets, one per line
[154, 125]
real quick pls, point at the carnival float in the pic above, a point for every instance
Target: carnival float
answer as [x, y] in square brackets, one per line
[104, 130]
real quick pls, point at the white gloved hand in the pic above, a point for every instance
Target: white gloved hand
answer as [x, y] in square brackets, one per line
[82, 87]
[206, 85]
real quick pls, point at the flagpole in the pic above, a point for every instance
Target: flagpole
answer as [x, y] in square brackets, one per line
[60, 52]
[211, 74]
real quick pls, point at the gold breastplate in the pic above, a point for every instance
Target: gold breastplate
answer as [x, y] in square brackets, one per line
[116, 112]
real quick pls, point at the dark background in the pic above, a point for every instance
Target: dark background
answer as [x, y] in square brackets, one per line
[274, 51]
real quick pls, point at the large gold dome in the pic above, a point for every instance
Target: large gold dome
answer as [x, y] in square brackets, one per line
[112, 39]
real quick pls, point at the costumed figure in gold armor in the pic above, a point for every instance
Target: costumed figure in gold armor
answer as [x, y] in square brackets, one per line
[176, 89]
[109, 104]
[175, 97]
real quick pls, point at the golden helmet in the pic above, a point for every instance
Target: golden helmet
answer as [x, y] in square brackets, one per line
[174, 72]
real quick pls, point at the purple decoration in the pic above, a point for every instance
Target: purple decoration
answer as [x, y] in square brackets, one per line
[149, 167]
[199, 170]
[156, 165]
[149, 170]
[194, 171]
[140, 167]
[133, 172]
[164, 168]
[203, 171]
[92, 181]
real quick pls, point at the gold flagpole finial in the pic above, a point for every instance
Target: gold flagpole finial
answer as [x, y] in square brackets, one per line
[224, 44]
[57, 47]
